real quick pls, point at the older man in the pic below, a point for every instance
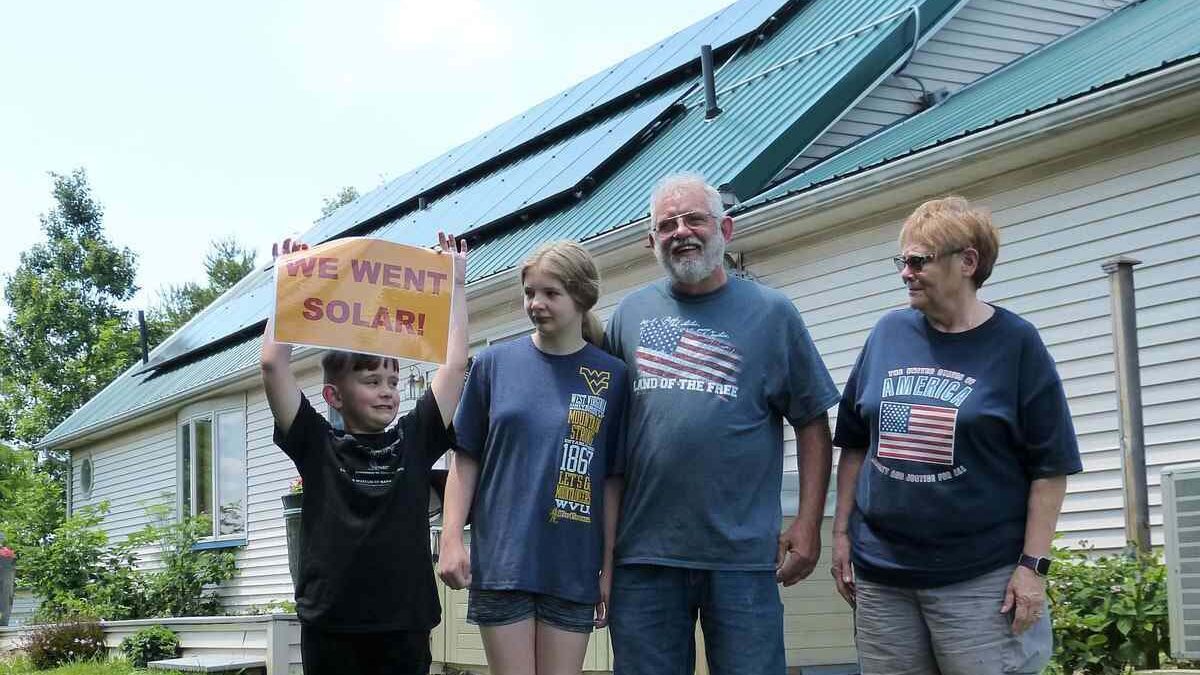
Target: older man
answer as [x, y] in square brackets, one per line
[716, 364]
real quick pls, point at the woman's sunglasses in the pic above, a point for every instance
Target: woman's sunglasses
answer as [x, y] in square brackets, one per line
[917, 262]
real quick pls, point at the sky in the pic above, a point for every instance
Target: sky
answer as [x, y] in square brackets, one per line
[198, 121]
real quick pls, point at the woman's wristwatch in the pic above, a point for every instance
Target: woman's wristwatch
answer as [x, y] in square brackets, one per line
[1040, 566]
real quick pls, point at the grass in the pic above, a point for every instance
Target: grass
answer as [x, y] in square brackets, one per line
[21, 666]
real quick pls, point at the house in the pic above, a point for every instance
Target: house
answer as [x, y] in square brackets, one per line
[1076, 121]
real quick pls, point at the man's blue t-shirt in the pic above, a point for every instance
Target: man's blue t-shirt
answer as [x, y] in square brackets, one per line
[957, 426]
[546, 430]
[712, 376]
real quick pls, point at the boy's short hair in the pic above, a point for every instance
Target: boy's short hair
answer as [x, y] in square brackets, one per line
[338, 364]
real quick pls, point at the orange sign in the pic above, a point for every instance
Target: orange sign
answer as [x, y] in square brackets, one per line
[366, 295]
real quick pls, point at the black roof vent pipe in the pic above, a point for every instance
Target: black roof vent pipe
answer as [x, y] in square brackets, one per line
[145, 339]
[710, 84]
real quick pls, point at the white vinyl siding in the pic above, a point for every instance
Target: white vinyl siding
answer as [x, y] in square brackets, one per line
[1055, 233]
[981, 37]
[130, 472]
[262, 564]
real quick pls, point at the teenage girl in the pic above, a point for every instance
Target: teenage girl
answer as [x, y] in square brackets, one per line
[538, 466]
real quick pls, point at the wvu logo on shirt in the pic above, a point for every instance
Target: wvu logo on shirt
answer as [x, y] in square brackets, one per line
[597, 380]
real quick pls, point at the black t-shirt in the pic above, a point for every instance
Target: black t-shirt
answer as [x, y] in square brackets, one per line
[365, 563]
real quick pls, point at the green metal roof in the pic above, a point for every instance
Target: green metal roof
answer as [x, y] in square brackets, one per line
[528, 162]
[1127, 43]
[543, 174]
[132, 391]
[777, 96]
[587, 99]
[770, 114]
[831, 52]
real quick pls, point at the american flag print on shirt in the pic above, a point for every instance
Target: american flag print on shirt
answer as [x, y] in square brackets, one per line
[671, 347]
[917, 433]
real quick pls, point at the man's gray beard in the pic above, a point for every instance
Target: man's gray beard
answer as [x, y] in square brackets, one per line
[693, 271]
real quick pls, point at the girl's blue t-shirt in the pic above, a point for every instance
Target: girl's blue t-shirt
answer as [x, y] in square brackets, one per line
[546, 430]
[957, 426]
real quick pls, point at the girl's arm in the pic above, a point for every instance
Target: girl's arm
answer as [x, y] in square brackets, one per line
[454, 564]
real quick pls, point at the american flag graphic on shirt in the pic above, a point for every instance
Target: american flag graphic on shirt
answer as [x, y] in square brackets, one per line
[917, 433]
[670, 347]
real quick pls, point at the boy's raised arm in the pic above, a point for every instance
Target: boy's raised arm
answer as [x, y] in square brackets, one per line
[447, 384]
[283, 393]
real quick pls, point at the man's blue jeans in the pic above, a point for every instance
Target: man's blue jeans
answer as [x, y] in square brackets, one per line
[654, 610]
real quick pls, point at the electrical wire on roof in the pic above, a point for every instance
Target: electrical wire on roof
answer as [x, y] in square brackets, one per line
[924, 101]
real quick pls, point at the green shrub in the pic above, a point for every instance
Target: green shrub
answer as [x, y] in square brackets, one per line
[52, 645]
[273, 607]
[151, 643]
[76, 571]
[184, 583]
[1109, 612]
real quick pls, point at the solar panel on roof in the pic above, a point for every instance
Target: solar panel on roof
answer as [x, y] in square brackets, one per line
[718, 29]
[517, 186]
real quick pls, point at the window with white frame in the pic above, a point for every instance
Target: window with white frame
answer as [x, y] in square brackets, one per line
[212, 468]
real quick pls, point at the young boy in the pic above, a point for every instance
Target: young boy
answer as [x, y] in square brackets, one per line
[366, 596]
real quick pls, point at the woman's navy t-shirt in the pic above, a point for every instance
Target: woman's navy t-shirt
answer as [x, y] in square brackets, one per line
[957, 426]
[546, 430]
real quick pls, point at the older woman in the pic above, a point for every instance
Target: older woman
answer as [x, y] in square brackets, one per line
[956, 441]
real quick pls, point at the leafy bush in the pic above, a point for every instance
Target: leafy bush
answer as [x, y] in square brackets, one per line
[52, 645]
[76, 572]
[272, 607]
[183, 586]
[151, 643]
[1109, 611]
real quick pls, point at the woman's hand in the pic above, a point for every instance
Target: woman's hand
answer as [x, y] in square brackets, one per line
[602, 607]
[454, 564]
[843, 569]
[1026, 595]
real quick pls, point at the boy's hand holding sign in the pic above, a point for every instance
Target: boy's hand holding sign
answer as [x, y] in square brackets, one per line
[366, 295]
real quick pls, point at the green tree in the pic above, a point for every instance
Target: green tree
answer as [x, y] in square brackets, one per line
[331, 204]
[226, 263]
[32, 504]
[66, 335]
[15, 464]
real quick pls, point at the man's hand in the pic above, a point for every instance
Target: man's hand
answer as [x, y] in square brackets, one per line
[799, 549]
[842, 569]
[1026, 592]
[454, 564]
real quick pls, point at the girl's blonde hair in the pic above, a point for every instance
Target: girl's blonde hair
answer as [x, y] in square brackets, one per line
[576, 271]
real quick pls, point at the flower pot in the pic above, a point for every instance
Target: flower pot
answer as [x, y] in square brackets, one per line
[7, 573]
[291, 522]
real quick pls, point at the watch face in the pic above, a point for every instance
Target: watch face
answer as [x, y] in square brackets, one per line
[1043, 566]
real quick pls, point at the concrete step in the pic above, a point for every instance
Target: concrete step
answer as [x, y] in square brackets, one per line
[212, 663]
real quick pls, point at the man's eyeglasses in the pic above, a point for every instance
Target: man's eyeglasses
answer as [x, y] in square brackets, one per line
[917, 262]
[694, 220]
